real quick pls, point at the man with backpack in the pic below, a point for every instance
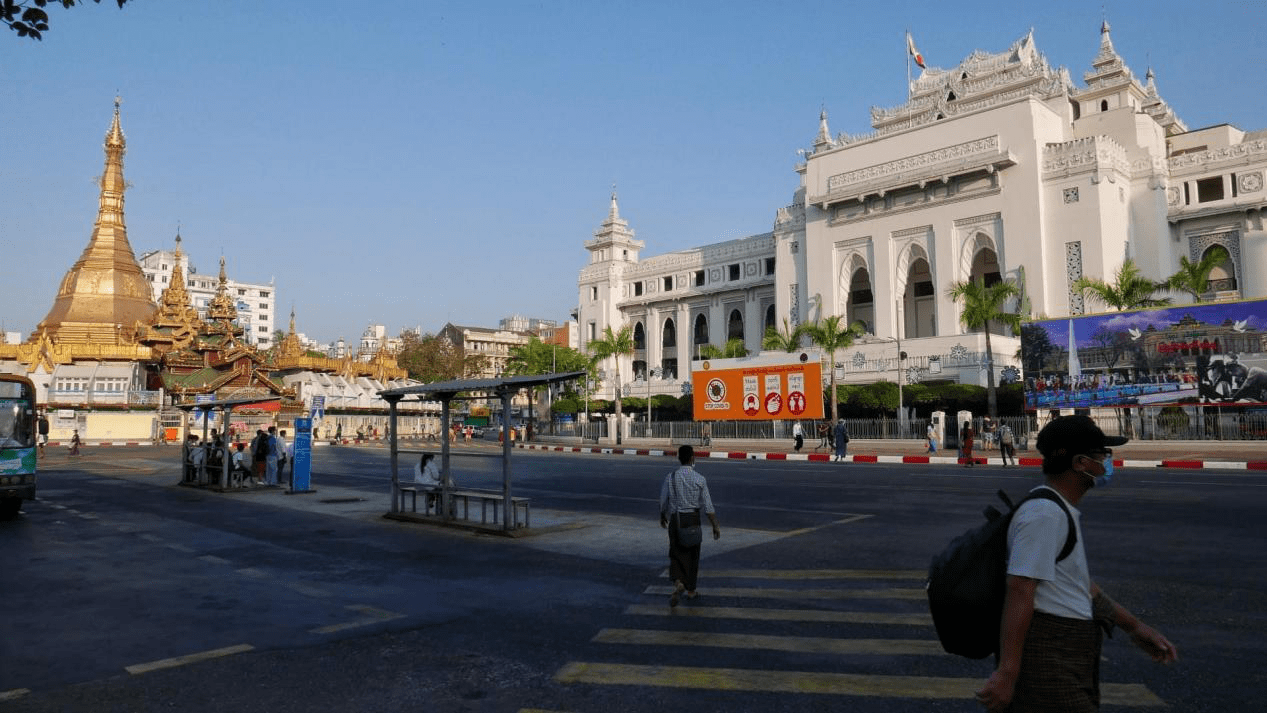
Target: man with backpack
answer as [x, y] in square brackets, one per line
[1007, 444]
[1049, 645]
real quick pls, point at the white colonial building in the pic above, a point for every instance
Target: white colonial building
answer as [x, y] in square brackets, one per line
[1000, 168]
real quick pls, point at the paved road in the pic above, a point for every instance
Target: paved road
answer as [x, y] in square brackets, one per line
[812, 600]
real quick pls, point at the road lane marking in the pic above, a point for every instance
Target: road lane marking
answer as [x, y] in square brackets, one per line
[918, 574]
[733, 679]
[212, 559]
[373, 615]
[179, 548]
[13, 694]
[807, 615]
[774, 593]
[306, 589]
[764, 642]
[187, 659]
[253, 573]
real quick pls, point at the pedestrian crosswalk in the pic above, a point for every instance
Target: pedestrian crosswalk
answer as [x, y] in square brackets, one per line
[837, 636]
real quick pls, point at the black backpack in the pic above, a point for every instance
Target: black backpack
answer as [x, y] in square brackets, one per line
[967, 582]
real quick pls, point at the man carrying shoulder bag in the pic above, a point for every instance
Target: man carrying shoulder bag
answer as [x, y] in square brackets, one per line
[683, 496]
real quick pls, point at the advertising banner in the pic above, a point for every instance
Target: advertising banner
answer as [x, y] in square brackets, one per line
[786, 386]
[1192, 354]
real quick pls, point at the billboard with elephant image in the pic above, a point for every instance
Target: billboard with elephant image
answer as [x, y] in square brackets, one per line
[1213, 353]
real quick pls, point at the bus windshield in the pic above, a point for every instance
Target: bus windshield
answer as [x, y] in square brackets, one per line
[17, 415]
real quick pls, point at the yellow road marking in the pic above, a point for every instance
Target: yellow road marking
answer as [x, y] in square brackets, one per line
[773, 593]
[796, 644]
[812, 615]
[374, 615]
[807, 530]
[917, 574]
[733, 679]
[187, 659]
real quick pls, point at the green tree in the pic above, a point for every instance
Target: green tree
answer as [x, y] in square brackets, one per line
[615, 345]
[537, 357]
[733, 349]
[831, 335]
[1194, 277]
[981, 306]
[786, 340]
[28, 18]
[1130, 289]
[430, 358]
[1036, 348]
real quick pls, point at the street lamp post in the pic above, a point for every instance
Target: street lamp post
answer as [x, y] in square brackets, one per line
[656, 372]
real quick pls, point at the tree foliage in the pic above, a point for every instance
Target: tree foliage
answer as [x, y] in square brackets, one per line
[430, 358]
[1194, 277]
[787, 339]
[614, 344]
[831, 335]
[537, 357]
[1130, 289]
[981, 306]
[733, 349]
[28, 17]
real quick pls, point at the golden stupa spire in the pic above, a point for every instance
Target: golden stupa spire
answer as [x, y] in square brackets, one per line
[105, 294]
[222, 308]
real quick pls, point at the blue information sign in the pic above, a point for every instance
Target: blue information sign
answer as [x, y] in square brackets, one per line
[301, 474]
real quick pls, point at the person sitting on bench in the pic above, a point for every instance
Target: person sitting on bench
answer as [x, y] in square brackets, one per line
[427, 476]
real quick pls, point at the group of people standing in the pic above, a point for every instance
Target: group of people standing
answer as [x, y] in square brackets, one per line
[833, 438]
[1002, 435]
[263, 464]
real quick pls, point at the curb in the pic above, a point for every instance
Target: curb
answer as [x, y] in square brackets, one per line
[892, 459]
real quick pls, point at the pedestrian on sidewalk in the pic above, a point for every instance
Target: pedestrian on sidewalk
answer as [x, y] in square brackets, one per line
[842, 439]
[931, 434]
[75, 443]
[1007, 444]
[824, 436]
[273, 454]
[1053, 613]
[798, 434]
[683, 496]
[965, 440]
[42, 430]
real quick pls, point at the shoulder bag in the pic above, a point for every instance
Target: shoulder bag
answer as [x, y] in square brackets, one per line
[690, 536]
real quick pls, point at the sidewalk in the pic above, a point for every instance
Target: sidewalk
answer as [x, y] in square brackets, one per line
[1233, 455]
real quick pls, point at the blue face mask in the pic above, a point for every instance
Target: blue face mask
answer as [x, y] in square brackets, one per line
[1104, 480]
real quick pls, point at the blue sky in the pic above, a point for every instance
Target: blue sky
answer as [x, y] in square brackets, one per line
[426, 162]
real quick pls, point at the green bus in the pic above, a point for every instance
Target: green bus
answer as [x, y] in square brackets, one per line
[17, 443]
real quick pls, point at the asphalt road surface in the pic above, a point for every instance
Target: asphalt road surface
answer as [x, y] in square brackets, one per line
[123, 591]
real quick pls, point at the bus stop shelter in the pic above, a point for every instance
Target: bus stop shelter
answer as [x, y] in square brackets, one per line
[446, 392]
[224, 407]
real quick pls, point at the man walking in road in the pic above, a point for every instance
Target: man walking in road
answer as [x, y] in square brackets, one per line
[683, 496]
[1049, 655]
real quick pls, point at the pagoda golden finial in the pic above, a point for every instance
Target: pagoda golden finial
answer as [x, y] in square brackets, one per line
[105, 288]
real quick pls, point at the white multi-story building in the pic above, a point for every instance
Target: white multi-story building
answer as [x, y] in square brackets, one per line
[255, 303]
[1000, 168]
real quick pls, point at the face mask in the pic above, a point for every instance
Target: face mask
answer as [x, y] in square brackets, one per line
[1104, 480]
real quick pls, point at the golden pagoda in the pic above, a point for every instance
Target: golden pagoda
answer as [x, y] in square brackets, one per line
[105, 296]
[177, 323]
[104, 300]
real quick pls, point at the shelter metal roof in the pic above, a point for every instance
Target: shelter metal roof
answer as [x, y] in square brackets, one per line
[509, 383]
[228, 403]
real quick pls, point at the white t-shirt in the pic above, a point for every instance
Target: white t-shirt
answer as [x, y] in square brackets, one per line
[429, 476]
[1034, 540]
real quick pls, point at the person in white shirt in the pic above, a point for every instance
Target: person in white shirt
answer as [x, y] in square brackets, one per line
[683, 496]
[1050, 637]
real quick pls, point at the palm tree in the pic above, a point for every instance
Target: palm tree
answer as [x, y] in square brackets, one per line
[831, 335]
[733, 349]
[981, 306]
[1194, 277]
[1129, 289]
[786, 340]
[614, 344]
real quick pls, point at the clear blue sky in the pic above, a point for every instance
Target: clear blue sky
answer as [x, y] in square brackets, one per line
[425, 162]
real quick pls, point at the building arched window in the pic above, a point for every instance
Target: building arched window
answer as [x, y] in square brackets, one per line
[670, 334]
[1104, 105]
[701, 330]
[639, 336]
[734, 325]
[769, 318]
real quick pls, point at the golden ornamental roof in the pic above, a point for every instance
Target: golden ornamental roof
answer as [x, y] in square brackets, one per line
[222, 307]
[176, 324]
[105, 296]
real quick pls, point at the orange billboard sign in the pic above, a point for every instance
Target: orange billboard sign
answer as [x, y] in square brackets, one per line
[758, 389]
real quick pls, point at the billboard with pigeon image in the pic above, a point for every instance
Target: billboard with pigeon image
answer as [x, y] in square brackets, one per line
[1213, 353]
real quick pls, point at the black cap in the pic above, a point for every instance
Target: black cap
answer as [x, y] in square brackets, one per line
[1069, 435]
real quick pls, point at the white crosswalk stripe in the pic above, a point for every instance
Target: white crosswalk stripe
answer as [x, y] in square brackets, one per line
[838, 613]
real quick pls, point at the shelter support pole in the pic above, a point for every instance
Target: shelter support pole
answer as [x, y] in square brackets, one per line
[223, 447]
[508, 508]
[446, 402]
[392, 401]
